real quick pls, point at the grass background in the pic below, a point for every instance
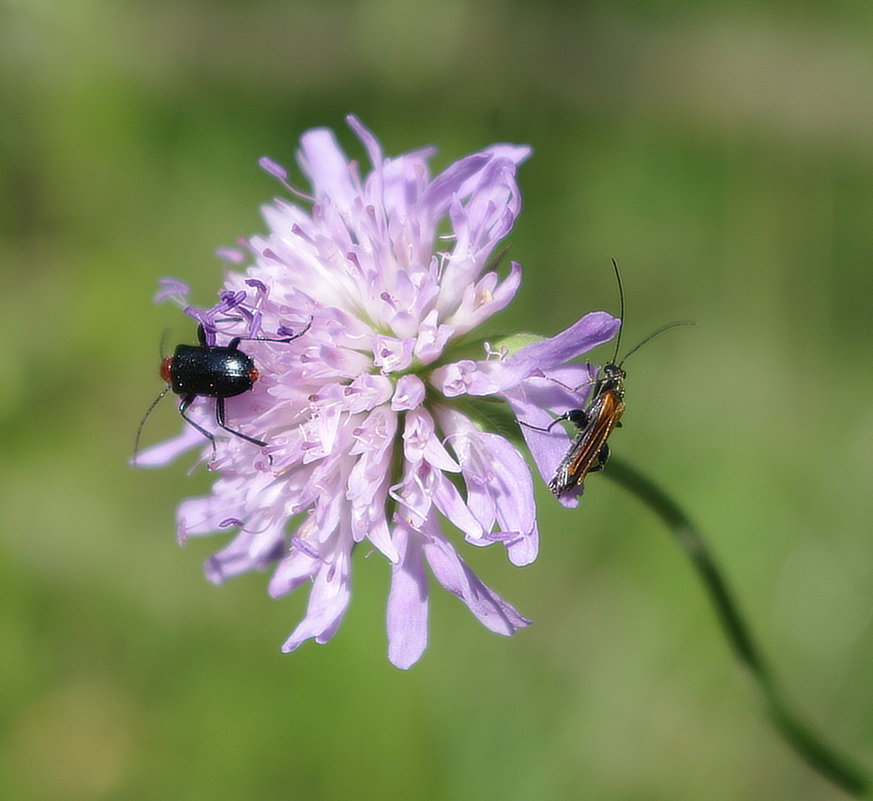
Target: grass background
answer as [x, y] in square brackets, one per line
[721, 151]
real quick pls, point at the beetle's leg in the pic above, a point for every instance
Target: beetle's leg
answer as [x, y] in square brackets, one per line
[219, 418]
[183, 407]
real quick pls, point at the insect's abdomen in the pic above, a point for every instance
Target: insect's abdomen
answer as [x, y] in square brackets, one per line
[613, 409]
[214, 372]
[585, 453]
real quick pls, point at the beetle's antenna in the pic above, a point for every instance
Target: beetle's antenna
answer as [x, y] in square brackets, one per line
[142, 423]
[620, 311]
[655, 333]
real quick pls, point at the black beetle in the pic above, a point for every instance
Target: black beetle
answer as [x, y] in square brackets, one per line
[211, 371]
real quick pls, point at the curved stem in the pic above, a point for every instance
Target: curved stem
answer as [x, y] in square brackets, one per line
[799, 735]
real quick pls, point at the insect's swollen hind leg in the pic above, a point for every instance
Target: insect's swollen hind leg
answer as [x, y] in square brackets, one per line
[220, 419]
[183, 407]
[578, 417]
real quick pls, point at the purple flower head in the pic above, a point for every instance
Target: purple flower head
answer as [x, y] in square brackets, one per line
[377, 427]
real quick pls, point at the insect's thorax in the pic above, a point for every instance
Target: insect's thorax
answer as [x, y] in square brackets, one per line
[611, 381]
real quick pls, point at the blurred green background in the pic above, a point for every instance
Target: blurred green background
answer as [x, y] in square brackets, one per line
[722, 152]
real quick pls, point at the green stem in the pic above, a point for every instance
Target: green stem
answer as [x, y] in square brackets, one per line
[799, 735]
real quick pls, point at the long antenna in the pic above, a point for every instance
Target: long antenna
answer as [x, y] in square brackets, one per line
[620, 311]
[142, 423]
[655, 333]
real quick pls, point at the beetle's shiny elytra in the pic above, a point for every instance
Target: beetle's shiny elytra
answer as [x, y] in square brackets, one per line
[210, 371]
